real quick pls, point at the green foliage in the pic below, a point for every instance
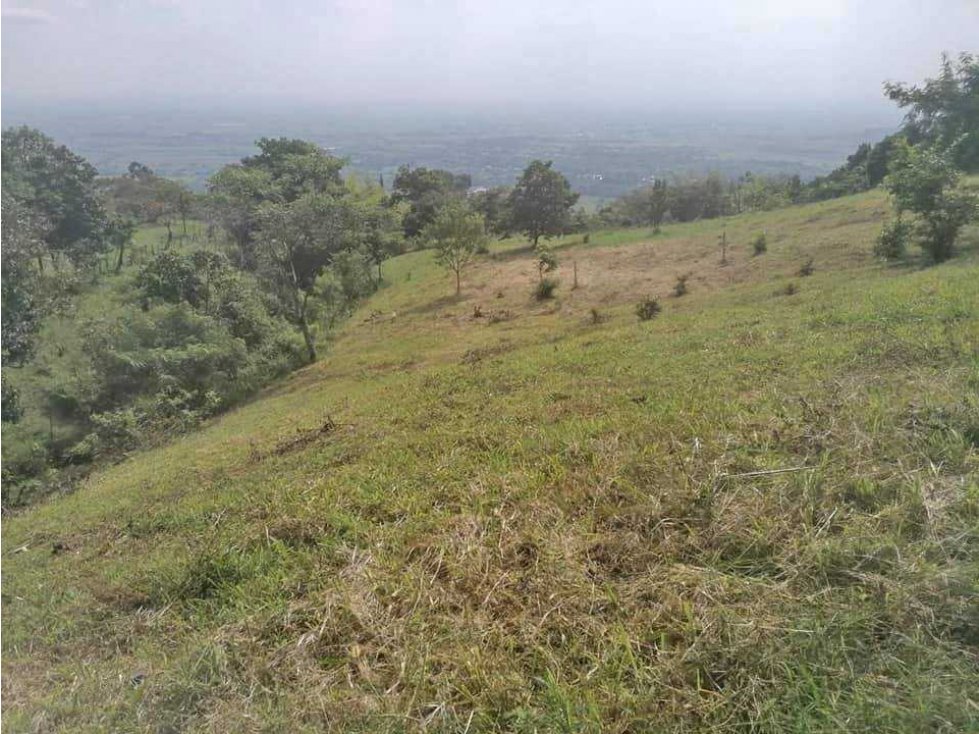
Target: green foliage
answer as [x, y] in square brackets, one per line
[540, 202]
[680, 287]
[494, 205]
[21, 288]
[807, 268]
[546, 260]
[648, 308]
[425, 191]
[759, 245]
[924, 181]
[944, 111]
[892, 242]
[545, 288]
[59, 188]
[456, 234]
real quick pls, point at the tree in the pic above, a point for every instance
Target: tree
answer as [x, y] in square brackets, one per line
[944, 111]
[22, 241]
[457, 234]
[297, 241]
[492, 204]
[923, 180]
[546, 261]
[235, 193]
[659, 203]
[120, 231]
[59, 187]
[540, 203]
[425, 191]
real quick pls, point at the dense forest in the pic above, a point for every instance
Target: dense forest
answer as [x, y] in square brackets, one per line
[134, 308]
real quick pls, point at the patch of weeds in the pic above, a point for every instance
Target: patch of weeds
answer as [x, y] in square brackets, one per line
[806, 269]
[545, 289]
[759, 245]
[680, 287]
[789, 289]
[596, 317]
[648, 308]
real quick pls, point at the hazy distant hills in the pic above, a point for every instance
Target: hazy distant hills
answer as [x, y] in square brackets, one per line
[602, 156]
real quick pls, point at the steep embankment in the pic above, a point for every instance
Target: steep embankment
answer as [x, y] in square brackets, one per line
[759, 509]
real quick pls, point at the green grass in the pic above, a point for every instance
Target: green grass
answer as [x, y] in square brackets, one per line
[528, 521]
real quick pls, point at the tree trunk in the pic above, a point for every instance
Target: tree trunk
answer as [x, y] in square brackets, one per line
[304, 327]
[40, 263]
[169, 233]
[458, 283]
[378, 273]
[122, 248]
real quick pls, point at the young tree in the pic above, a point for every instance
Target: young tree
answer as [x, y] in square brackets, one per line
[540, 203]
[457, 235]
[546, 261]
[923, 180]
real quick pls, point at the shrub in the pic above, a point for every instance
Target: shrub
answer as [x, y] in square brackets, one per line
[806, 269]
[760, 244]
[545, 289]
[597, 317]
[680, 289]
[648, 308]
[788, 290]
[586, 239]
[892, 242]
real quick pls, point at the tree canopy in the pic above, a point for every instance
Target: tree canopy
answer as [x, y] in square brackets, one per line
[540, 203]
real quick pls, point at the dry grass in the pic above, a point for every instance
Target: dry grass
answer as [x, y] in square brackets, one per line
[549, 521]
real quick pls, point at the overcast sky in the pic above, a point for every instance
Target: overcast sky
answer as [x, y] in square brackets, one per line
[750, 53]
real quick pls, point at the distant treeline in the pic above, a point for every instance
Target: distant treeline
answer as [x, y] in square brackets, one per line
[943, 112]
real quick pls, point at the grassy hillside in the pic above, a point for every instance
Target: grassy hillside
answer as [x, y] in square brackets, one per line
[757, 512]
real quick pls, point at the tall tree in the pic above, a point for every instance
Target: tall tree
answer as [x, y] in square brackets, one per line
[540, 203]
[58, 186]
[945, 110]
[425, 191]
[297, 241]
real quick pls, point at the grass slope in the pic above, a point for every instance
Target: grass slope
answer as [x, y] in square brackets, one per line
[540, 519]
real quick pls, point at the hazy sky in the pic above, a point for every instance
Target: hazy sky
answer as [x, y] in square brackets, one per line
[750, 53]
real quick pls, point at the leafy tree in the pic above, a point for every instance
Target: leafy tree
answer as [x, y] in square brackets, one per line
[22, 243]
[119, 232]
[235, 193]
[457, 234]
[297, 242]
[425, 191]
[923, 180]
[944, 111]
[59, 187]
[540, 203]
[493, 205]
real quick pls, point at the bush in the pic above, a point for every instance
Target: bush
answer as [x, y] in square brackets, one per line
[892, 242]
[789, 290]
[648, 308]
[806, 269]
[680, 289]
[760, 244]
[545, 289]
